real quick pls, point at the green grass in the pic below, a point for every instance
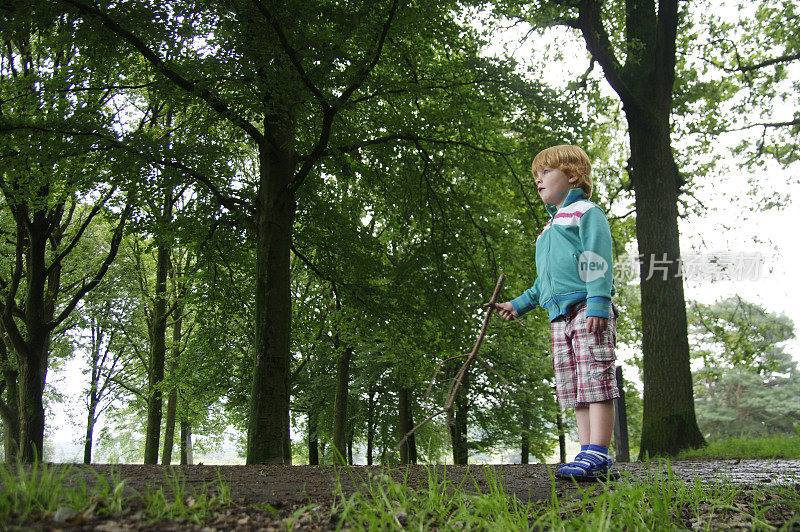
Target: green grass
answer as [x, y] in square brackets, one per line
[42, 490]
[787, 447]
[661, 501]
[382, 503]
[176, 504]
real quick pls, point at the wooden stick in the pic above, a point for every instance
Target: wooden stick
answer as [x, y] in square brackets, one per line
[463, 371]
[436, 373]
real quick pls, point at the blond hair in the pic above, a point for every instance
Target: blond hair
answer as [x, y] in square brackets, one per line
[571, 160]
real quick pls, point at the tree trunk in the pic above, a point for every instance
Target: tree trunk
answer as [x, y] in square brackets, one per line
[169, 428]
[403, 424]
[458, 426]
[186, 442]
[10, 415]
[370, 425]
[340, 403]
[155, 402]
[525, 450]
[172, 400]
[90, 421]
[669, 423]
[172, 407]
[412, 441]
[32, 377]
[313, 442]
[32, 354]
[275, 209]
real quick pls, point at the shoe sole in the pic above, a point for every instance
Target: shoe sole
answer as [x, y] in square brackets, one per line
[609, 476]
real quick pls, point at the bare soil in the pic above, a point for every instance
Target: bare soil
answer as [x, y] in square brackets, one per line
[272, 497]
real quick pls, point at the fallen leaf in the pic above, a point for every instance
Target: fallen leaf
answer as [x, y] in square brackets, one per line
[64, 514]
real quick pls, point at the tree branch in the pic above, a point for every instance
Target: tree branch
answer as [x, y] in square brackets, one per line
[411, 138]
[765, 125]
[763, 64]
[362, 76]
[213, 100]
[112, 253]
[590, 23]
[461, 372]
[127, 387]
[666, 43]
[57, 260]
[231, 203]
[294, 57]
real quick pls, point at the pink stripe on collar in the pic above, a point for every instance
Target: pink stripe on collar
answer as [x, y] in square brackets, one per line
[569, 214]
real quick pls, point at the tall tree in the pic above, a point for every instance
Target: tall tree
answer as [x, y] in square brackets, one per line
[99, 341]
[47, 176]
[634, 42]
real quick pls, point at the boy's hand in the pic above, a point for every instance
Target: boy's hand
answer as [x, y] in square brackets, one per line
[506, 310]
[595, 324]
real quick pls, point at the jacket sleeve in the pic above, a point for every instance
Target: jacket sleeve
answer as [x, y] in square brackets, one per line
[596, 262]
[528, 300]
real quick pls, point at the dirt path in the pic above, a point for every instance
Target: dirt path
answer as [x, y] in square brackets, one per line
[304, 494]
[284, 485]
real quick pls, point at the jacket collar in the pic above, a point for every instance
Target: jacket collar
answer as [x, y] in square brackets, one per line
[575, 194]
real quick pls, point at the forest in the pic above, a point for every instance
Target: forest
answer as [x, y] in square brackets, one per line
[281, 219]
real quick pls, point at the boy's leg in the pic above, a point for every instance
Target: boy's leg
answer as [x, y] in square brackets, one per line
[596, 389]
[564, 365]
[583, 419]
[601, 422]
[595, 423]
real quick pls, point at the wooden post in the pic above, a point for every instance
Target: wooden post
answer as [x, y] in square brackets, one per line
[621, 422]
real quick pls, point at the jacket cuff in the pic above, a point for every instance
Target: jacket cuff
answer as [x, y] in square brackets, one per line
[522, 304]
[598, 306]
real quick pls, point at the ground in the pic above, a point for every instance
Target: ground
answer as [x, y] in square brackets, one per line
[272, 497]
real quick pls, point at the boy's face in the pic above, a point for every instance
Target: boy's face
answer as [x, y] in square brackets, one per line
[553, 185]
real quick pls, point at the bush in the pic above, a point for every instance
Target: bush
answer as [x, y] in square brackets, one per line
[786, 447]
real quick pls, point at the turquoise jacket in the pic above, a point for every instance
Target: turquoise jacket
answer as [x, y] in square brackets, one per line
[573, 261]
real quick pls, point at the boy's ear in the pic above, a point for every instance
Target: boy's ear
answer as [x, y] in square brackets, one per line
[572, 178]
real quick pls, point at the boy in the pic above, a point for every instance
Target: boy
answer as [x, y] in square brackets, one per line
[575, 285]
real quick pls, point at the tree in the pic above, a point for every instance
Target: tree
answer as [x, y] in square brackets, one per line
[747, 382]
[733, 333]
[635, 44]
[748, 68]
[100, 342]
[47, 178]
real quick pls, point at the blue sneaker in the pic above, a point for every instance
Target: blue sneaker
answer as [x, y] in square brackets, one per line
[588, 467]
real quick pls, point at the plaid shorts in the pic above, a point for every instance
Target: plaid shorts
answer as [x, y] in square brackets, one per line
[583, 361]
